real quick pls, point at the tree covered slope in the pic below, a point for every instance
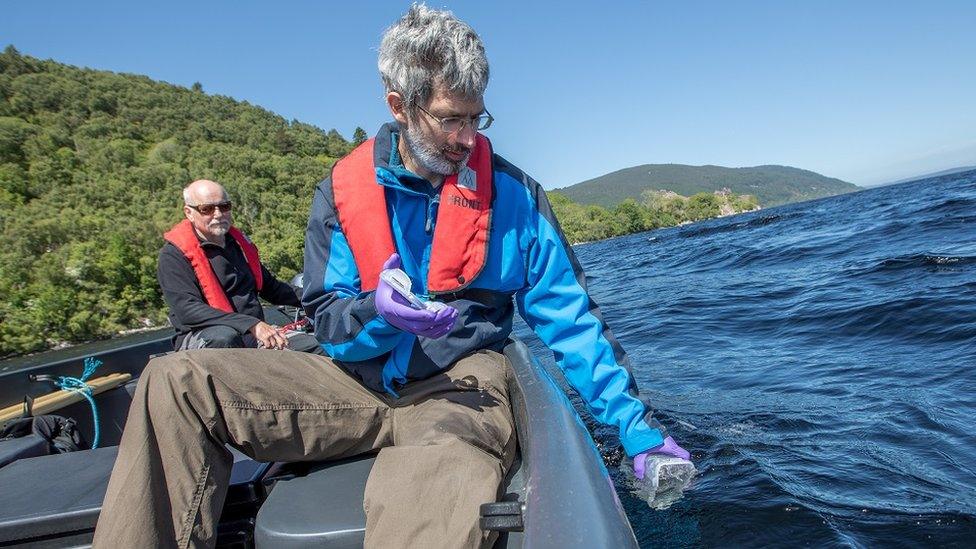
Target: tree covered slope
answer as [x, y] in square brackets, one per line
[771, 185]
[91, 168]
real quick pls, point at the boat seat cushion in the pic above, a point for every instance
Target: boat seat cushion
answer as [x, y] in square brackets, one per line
[61, 494]
[55, 494]
[321, 509]
[24, 447]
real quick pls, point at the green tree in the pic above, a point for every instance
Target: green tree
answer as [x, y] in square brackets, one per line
[630, 217]
[359, 136]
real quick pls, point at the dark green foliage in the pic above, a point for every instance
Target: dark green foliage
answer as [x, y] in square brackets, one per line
[585, 223]
[771, 185]
[91, 168]
[359, 136]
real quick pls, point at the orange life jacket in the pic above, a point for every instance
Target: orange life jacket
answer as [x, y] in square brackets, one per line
[185, 238]
[460, 245]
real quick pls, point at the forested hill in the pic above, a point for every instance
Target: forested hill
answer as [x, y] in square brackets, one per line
[91, 168]
[771, 185]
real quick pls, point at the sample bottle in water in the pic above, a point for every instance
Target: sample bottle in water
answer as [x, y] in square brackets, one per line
[665, 479]
[667, 473]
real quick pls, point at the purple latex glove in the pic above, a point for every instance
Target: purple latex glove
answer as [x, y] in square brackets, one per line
[669, 448]
[398, 312]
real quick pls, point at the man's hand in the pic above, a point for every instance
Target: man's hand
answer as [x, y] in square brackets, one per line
[398, 312]
[269, 336]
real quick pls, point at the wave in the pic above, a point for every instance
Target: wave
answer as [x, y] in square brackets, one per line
[760, 220]
[927, 261]
[951, 207]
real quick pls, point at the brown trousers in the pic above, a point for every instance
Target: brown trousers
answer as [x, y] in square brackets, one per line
[444, 445]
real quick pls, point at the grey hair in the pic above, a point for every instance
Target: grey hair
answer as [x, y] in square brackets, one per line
[429, 47]
[186, 195]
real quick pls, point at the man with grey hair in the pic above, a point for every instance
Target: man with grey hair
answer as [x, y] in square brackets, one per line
[421, 381]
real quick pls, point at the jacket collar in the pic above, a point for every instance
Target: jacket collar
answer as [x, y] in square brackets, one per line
[390, 171]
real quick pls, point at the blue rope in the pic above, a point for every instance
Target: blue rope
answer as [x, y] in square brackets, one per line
[78, 385]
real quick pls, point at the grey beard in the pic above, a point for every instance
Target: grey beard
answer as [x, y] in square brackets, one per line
[429, 157]
[219, 229]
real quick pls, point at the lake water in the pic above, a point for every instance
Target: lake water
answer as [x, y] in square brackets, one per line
[818, 359]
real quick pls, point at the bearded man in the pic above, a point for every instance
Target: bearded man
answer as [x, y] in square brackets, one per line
[424, 386]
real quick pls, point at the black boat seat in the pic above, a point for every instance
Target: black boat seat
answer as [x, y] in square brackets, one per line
[24, 447]
[52, 495]
[59, 497]
[321, 509]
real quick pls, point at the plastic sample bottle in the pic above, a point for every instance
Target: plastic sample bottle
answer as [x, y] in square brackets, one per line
[665, 479]
[666, 473]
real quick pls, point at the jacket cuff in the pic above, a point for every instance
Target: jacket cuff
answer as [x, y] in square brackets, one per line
[241, 323]
[377, 320]
[646, 434]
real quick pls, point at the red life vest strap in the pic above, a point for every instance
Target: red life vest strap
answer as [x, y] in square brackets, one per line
[251, 255]
[185, 238]
[460, 244]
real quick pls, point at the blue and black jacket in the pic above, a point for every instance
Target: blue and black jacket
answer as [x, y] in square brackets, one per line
[529, 264]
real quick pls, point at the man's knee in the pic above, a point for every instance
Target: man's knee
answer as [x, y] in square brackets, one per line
[156, 389]
[174, 381]
[475, 418]
[486, 370]
[215, 337]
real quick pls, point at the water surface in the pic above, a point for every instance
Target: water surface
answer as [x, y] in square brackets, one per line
[818, 359]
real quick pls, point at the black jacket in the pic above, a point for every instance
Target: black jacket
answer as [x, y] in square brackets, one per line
[189, 311]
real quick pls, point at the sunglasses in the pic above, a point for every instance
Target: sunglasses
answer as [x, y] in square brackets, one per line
[208, 209]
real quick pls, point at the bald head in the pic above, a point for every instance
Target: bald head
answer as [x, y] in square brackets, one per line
[204, 191]
[207, 206]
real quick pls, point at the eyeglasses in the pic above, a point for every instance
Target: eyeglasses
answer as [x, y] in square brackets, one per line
[208, 209]
[453, 124]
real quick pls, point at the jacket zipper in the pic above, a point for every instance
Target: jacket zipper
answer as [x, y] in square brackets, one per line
[432, 205]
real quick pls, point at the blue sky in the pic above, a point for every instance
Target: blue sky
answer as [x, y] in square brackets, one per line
[865, 91]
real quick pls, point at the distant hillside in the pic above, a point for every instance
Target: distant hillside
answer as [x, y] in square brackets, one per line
[950, 171]
[772, 185]
[91, 168]
[656, 209]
